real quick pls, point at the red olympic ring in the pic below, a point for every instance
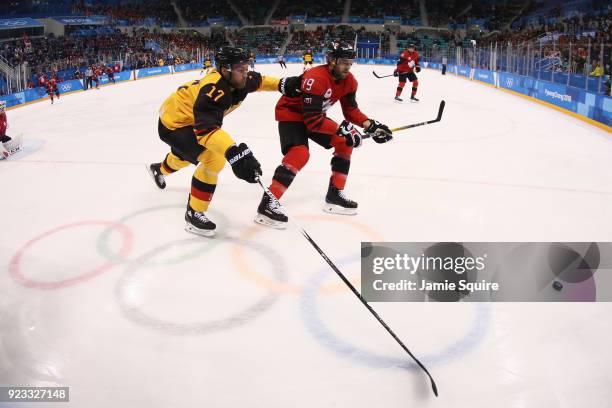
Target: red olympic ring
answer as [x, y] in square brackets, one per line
[19, 277]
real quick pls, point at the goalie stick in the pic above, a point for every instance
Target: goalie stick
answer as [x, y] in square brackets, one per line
[352, 288]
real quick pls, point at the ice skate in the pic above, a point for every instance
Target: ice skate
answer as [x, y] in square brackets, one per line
[197, 223]
[270, 214]
[155, 172]
[338, 203]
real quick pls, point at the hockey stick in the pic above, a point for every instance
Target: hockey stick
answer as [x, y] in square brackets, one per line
[437, 119]
[381, 76]
[351, 287]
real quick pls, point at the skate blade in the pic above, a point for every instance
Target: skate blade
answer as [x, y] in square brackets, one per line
[153, 177]
[336, 209]
[263, 220]
[396, 101]
[413, 101]
[201, 232]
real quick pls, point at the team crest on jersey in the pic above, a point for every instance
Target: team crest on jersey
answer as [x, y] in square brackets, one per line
[328, 93]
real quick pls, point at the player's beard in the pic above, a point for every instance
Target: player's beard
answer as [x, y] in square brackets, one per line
[338, 73]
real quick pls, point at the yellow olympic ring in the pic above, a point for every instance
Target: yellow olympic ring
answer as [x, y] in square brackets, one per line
[243, 267]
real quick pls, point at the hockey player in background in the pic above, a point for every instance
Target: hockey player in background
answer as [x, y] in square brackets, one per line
[407, 64]
[97, 73]
[42, 81]
[3, 125]
[307, 57]
[303, 119]
[252, 60]
[191, 121]
[206, 65]
[110, 72]
[51, 88]
[8, 145]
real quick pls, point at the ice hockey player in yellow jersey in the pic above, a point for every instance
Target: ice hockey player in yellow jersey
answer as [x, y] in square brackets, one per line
[307, 57]
[207, 65]
[190, 122]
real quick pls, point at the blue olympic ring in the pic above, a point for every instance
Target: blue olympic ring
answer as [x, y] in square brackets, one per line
[323, 334]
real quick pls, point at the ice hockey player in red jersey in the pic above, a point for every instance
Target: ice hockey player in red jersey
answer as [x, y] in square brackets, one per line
[110, 72]
[304, 119]
[3, 125]
[42, 80]
[51, 88]
[8, 145]
[407, 64]
[97, 73]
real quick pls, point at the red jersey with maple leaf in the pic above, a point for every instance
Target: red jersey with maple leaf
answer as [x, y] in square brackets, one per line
[408, 61]
[51, 85]
[320, 90]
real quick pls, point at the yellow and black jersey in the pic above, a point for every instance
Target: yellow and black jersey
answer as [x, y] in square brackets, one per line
[307, 57]
[203, 103]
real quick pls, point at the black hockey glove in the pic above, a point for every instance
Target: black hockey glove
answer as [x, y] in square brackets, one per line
[349, 133]
[290, 86]
[244, 164]
[378, 132]
[395, 73]
[417, 69]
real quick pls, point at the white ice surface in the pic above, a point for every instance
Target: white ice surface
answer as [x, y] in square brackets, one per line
[146, 315]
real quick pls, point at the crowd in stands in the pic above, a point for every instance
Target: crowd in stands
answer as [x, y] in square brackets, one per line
[380, 8]
[198, 11]
[311, 8]
[135, 50]
[261, 40]
[590, 33]
[21, 8]
[164, 14]
[255, 11]
[160, 11]
[590, 36]
[318, 39]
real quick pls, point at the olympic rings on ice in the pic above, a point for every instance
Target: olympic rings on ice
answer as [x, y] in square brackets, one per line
[132, 311]
[17, 274]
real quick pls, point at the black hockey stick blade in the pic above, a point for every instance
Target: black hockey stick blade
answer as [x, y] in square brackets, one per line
[440, 111]
[437, 119]
[381, 76]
